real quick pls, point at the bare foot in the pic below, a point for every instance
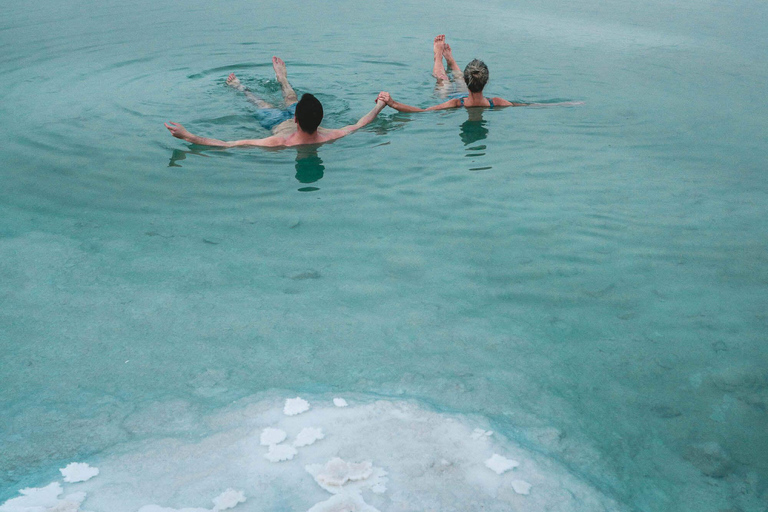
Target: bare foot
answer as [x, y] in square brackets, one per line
[439, 45]
[448, 54]
[280, 72]
[233, 81]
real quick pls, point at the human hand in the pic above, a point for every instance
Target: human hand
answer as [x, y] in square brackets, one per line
[177, 130]
[385, 97]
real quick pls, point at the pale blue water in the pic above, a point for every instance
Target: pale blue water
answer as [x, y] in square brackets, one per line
[591, 279]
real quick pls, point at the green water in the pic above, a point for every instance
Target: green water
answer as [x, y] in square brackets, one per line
[597, 272]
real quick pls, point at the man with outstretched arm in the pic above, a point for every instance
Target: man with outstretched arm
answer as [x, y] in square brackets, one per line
[297, 124]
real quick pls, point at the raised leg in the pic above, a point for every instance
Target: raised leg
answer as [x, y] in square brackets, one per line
[289, 95]
[234, 82]
[438, 71]
[458, 74]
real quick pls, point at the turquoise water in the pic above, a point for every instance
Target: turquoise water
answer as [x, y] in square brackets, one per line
[590, 281]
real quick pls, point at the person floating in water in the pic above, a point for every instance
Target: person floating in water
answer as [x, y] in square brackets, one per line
[297, 124]
[472, 79]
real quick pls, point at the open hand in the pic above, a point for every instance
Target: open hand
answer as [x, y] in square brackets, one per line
[177, 130]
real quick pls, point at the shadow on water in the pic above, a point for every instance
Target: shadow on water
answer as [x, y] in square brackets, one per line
[309, 166]
[474, 130]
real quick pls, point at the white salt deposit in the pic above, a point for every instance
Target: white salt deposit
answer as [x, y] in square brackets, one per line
[78, 472]
[308, 436]
[375, 455]
[280, 452]
[270, 436]
[521, 486]
[501, 464]
[343, 503]
[479, 433]
[294, 406]
[44, 499]
[340, 402]
[228, 499]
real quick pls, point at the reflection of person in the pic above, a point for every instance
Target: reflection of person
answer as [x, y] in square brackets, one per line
[297, 124]
[474, 77]
[473, 129]
[309, 165]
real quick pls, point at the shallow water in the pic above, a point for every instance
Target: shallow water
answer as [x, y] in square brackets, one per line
[589, 279]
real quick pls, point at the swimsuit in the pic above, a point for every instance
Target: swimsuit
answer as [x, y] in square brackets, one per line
[461, 96]
[271, 117]
[489, 101]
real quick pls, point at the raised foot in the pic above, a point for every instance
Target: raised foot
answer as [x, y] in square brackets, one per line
[280, 72]
[439, 45]
[448, 54]
[233, 81]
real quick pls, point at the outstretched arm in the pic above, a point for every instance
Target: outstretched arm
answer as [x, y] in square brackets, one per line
[367, 118]
[501, 102]
[402, 107]
[180, 132]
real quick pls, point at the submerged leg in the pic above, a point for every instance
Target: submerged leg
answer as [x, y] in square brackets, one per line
[289, 95]
[233, 82]
[438, 71]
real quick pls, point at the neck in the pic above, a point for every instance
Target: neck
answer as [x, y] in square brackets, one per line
[304, 137]
[476, 95]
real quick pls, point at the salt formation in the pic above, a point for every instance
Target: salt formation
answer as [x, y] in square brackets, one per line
[78, 472]
[479, 433]
[280, 452]
[224, 501]
[294, 406]
[340, 402]
[376, 454]
[43, 499]
[338, 476]
[308, 436]
[501, 464]
[270, 436]
[343, 503]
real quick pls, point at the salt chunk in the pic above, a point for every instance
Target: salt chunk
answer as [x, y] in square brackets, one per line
[343, 503]
[308, 436]
[34, 498]
[479, 433]
[280, 452]
[158, 508]
[501, 464]
[340, 402]
[521, 486]
[338, 476]
[78, 472]
[270, 436]
[228, 499]
[294, 406]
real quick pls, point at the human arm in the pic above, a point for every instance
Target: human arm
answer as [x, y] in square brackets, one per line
[501, 102]
[366, 119]
[402, 107]
[180, 132]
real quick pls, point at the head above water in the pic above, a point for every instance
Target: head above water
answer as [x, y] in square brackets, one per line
[309, 113]
[476, 75]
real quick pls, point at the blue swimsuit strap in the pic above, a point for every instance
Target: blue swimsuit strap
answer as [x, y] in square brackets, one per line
[489, 101]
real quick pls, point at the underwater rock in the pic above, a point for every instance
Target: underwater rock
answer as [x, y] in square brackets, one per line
[78, 472]
[710, 459]
[501, 464]
[270, 436]
[308, 436]
[294, 406]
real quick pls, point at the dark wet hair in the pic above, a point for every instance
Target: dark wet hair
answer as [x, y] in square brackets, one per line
[309, 113]
[476, 75]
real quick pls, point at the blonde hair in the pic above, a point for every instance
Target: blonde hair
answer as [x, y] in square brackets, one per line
[476, 75]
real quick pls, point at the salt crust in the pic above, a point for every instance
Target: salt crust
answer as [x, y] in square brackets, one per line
[78, 472]
[521, 486]
[270, 436]
[224, 501]
[501, 464]
[338, 476]
[294, 406]
[43, 499]
[308, 436]
[280, 452]
[343, 503]
[479, 433]
[340, 402]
